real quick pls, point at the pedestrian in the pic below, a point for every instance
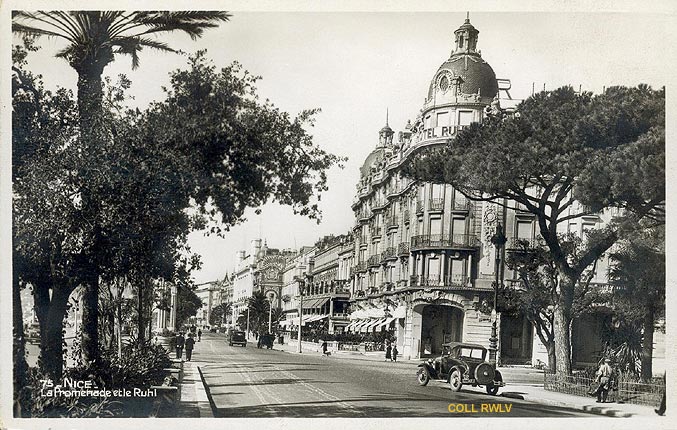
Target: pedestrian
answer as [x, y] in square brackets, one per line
[324, 348]
[389, 352]
[190, 343]
[199, 335]
[394, 352]
[604, 378]
[179, 340]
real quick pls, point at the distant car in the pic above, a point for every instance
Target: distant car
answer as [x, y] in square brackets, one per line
[237, 338]
[461, 363]
[32, 331]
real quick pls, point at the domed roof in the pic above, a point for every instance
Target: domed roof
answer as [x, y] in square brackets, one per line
[475, 75]
[375, 157]
[465, 67]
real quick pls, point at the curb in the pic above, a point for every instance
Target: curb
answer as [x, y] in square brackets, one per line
[208, 395]
[597, 410]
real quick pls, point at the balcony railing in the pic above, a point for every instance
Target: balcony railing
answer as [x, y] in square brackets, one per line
[373, 261]
[454, 241]
[361, 266]
[516, 244]
[451, 281]
[363, 215]
[393, 221]
[461, 205]
[403, 249]
[389, 254]
[436, 205]
[379, 204]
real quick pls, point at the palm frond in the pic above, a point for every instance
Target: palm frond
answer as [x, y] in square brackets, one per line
[36, 31]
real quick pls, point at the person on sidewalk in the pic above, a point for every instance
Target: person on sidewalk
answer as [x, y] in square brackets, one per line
[179, 341]
[604, 378]
[395, 352]
[324, 348]
[190, 343]
[389, 352]
[199, 335]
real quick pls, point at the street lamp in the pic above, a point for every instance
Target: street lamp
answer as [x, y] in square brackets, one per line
[498, 240]
[302, 285]
[270, 314]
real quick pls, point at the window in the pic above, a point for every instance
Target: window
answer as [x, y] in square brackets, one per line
[465, 118]
[443, 117]
[525, 230]
[435, 226]
[471, 353]
[460, 41]
[457, 225]
[427, 121]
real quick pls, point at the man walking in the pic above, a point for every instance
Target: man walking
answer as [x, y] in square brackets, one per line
[199, 335]
[604, 379]
[179, 340]
[190, 343]
[395, 352]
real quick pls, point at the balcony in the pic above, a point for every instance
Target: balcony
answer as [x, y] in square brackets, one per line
[389, 254]
[379, 205]
[374, 261]
[516, 244]
[360, 267]
[376, 231]
[437, 241]
[406, 216]
[447, 282]
[436, 205]
[419, 207]
[363, 216]
[393, 221]
[462, 205]
[403, 249]
[364, 240]
[340, 316]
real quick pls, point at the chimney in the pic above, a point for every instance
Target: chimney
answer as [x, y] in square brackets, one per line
[240, 256]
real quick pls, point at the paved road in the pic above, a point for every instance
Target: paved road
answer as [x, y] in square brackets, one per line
[251, 382]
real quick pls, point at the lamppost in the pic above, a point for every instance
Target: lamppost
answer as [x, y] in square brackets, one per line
[247, 320]
[498, 240]
[270, 314]
[302, 285]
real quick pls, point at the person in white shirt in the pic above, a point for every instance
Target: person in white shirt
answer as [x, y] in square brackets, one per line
[604, 378]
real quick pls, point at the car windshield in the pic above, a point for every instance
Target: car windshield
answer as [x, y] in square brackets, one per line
[471, 353]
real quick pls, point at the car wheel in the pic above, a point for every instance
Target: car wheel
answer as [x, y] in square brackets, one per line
[423, 376]
[492, 389]
[455, 381]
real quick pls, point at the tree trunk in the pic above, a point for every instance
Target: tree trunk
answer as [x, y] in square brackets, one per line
[19, 344]
[552, 361]
[140, 310]
[90, 320]
[562, 340]
[647, 345]
[52, 337]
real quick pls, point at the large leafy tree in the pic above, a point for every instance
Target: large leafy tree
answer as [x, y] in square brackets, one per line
[93, 39]
[199, 157]
[638, 274]
[536, 293]
[560, 149]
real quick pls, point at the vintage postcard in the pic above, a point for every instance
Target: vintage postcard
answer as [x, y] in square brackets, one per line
[231, 212]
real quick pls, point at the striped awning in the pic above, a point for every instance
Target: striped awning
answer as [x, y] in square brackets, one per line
[385, 323]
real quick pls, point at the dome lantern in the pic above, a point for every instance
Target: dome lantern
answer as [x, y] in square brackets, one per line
[466, 38]
[385, 136]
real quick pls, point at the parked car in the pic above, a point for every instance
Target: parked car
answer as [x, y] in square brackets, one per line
[237, 338]
[461, 363]
[265, 340]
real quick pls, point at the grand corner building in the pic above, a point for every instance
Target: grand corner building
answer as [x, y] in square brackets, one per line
[424, 264]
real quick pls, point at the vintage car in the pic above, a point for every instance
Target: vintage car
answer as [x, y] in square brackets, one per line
[265, 340]
[237, 338]
[461, 363]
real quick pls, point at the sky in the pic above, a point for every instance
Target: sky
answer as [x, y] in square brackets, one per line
[355, 66]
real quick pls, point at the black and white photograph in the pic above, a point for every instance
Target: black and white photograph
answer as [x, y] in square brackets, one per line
[318, 212]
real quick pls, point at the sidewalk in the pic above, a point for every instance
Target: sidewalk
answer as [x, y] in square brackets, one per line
[194, 402]
[522, 383]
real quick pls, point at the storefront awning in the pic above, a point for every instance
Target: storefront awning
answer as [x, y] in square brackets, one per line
[368, 326]
[400, 312]
[384, 324]
[316, 318]
[359, 324]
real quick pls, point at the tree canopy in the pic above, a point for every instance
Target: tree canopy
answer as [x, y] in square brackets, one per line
[561, 156]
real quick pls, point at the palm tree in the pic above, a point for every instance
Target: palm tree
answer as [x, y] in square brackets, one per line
[93, 39]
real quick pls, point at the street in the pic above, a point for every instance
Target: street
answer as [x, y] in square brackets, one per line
[251, 382]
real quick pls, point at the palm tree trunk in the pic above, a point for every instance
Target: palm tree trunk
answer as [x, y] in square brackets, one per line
[90, 96]
[20, 365]
[52, 336]
[647, 345]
